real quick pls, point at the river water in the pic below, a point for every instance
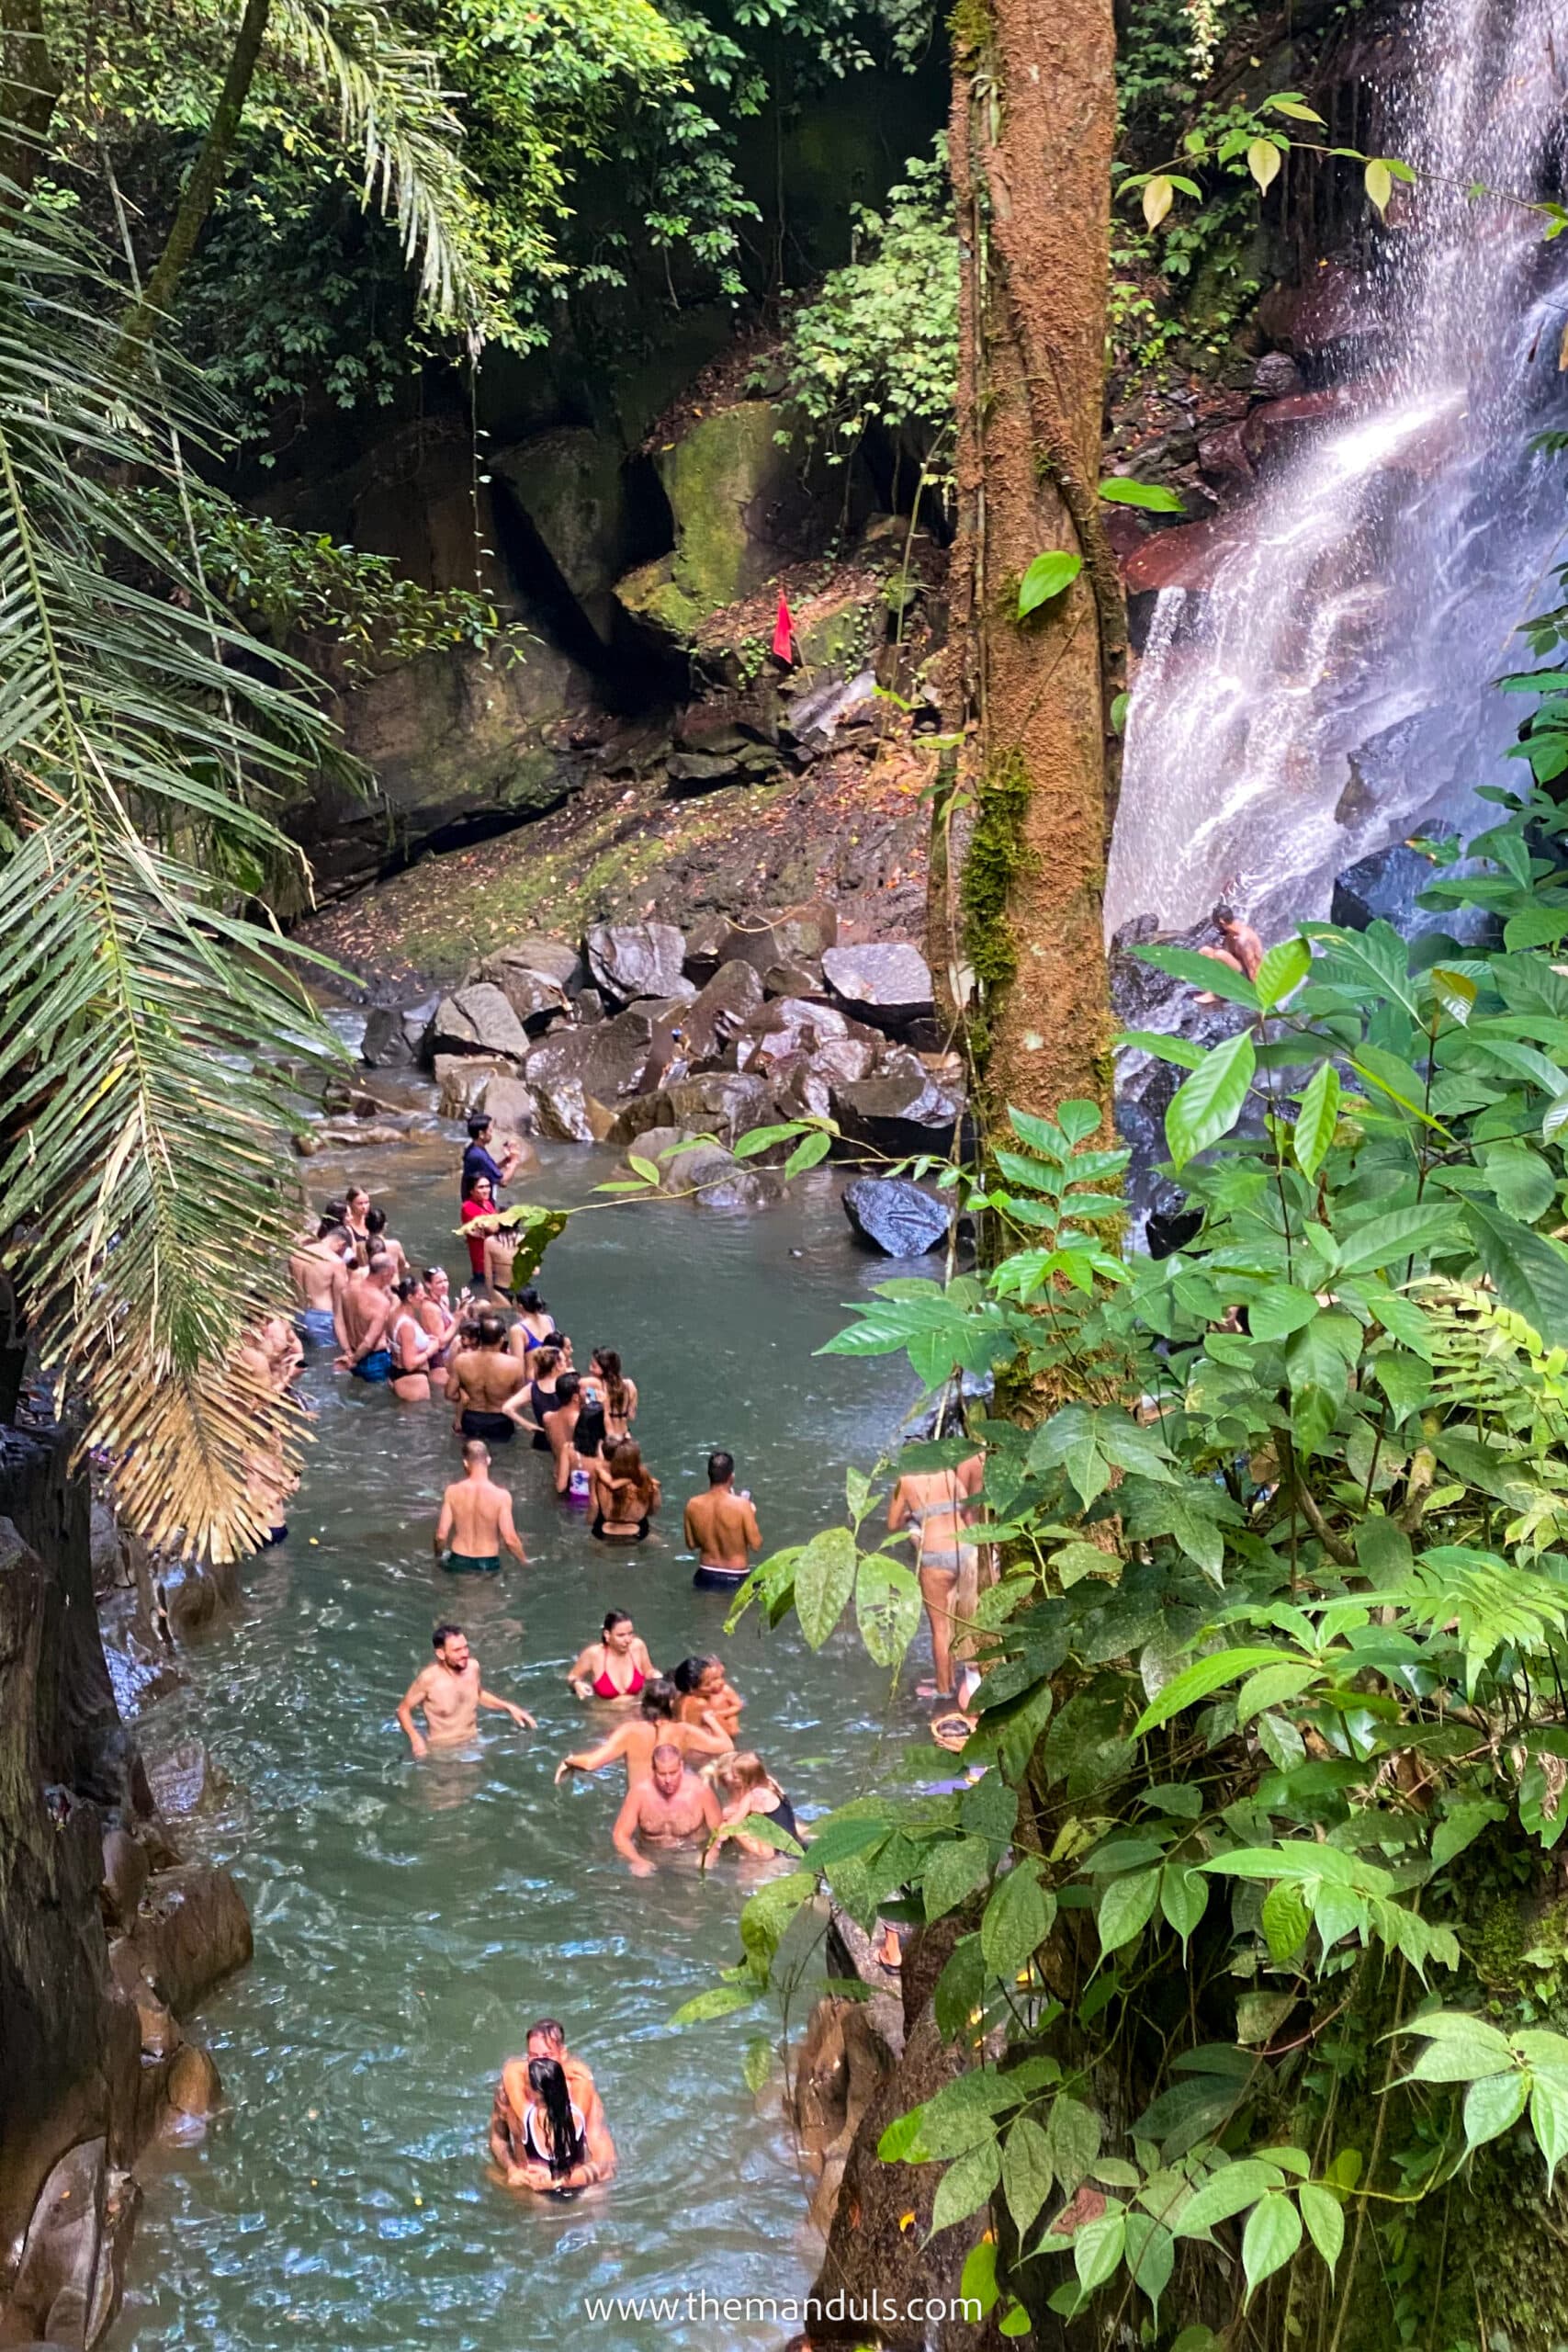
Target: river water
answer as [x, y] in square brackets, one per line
[412, 1919]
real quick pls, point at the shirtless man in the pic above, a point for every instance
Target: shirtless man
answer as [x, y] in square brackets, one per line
[636, 1739]
[1243, 949]
[721, 1527]
[546, 2039]
[364, 1319]
[670, 1808]
[450, 1692]
[937, 1507]
[319, 1270]
[476, 1517]
[484, 1382]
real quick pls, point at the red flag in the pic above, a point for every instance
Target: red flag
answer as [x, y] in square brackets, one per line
[784, 633]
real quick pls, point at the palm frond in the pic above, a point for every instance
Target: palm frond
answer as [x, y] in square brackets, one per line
[392, 106]
[144, 1196]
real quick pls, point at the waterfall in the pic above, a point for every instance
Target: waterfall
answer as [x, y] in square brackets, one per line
[1330, 691]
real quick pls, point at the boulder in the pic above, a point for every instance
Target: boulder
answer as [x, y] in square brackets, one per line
[478, 1019]
[193, 2086]
[1276, 376]
[1187, 557]
[514, 1107]
[794, 976]
[71, 2274]
[1386, 887]
[721, 1102]
[157, 2026]
[750, 1187]
[901, 1112]
[609, 1058]
[537, 951]
[589, 1005]
[804, 1082]
[789, 1025]
[652, 1141]
[125, 1877]
[719, 1011]
[705, 947]
[197, 1593]
[894, 1217]
[635, 959]
[184, 1780]
[461, 1079]
[570, 483]
[193, 1931]
[534, 997]
[885, 982]
[384, 1045]
[764, 939]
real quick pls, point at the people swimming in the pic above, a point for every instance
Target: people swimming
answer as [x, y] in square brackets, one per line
[476, 1523]
[626, 1494]
[617, 1665]
[670, 1808]
[534, 1322]
[559, 1424]
[449, 1691]
[636, 1738]
[412, 1347]
[721, 1528]
[543, 2138]
[620, 1395]
[485, 1383]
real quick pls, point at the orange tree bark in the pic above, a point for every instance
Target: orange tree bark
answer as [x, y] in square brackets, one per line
[1033, 120]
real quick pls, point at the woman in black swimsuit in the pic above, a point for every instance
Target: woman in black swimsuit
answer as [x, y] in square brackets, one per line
[550, 2146]
[542, 1393]
[746, 1789]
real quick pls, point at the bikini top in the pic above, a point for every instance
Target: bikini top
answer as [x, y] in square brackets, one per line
[542, 2154]
[550, 1340]
[604, 1689]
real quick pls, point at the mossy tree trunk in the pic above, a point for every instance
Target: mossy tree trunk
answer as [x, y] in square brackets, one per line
[1033, 120]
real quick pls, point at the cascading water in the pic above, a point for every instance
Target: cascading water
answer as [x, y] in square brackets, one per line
[1330, 690]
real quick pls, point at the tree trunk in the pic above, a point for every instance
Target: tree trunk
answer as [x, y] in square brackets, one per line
[30, 85]
[201, 189]
[1033, 120]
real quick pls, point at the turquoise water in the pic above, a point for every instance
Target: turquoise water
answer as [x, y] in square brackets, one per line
[412, 1919]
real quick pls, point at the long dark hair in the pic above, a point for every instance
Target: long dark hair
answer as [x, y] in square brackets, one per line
[609, 1364]
[626, 1470]
[546, 2080]
[688, 1675]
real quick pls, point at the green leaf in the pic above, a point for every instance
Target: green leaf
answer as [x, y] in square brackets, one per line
[1046, 577]
[1210, 1102]
[1200, 1680]
[1549, 2120]
[1285, 1921]
[1259, 2016]
[1073, 2132]
[824, 1579]
[1125, 1908]
[888, 1606]
[718, 2001]
[900, 2136]
[1018, 1918]
[1325, 2218]
[646, 1169]
[1272, 2233]
[1203, 971]
[1281, 1311]
[1378, 183]
[1283, 968]
[757, 2064]
[1097, 2247]
[1014, 2321]
[1120, 490]
[1263, 162]
[1460, 1826]
[1227, 2192]
[1183, 1897]
[955, 1869]
[1529, 1273]
[965, 2186]
[807, 1152]
[1402, 1233]
[1028, 2172]
[759, 1139]
[977, 2281]
[1493, 2105]
[1180, 1050]
[1462, 2046]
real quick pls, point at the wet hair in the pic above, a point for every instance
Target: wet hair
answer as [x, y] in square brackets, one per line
[614, 1617]
[567, 1387]
[1222, 911]
[743, 1769]
[546, 2080]
[443, 1634]
[375, 1220]
[492, 1332]
[545, 1360]
[688, 1675]
[531, 1303]
[626, 1469]
[471, 1183]
[667, 1747]
[334, 1213]
[658, 1696]
[721, 1467]
[609, 1363]
[331, 1228]
[475, 1450]
[478, 1121]
[406, 1289]
[547, 2029]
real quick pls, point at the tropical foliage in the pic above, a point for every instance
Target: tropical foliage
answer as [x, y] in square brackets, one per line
[142, 1020]
[1272, 1727]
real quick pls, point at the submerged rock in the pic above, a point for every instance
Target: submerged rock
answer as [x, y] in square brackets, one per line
[894, 1217]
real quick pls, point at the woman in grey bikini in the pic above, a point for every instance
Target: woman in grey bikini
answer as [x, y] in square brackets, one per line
[937, 1508]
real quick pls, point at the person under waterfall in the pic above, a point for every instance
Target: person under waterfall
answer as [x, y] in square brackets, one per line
[1243, 949]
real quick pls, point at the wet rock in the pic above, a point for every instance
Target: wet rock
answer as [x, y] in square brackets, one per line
[125, 1877]
[750, 1187]
[193, 1931]
[790, 1026]
[901, 1112]
[609, 1058]
[763, 939]
[631, 960]
[1276, 376]
[651, 1142]
[1274, 429]
[887, 982]
[804, 1082]
[184, 1780]
[704, 945]
[461, 1079]
[52, 2289]
[721, 1009]
[514, 1107]
[194, 2085]
[1335, 305]
[534, 997]
[1187, 557]
[725, 1103]
[198, 1594]
[537, 951]
[1222, 456]
[478, 1019]
[589, 1005]
[1384, 888]
[394, 1033]
[894, 1217]
[157, 2029]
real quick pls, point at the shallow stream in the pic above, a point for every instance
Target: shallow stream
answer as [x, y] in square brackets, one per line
[412, 1919]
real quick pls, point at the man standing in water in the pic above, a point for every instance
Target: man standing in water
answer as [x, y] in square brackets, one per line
[319, 1270]
[476, 1517]
[670, 1808]
[721, 1527]
[484, 1381]
[546, 2039]
[480, 1161]
[450, 1692]
[364, 1318]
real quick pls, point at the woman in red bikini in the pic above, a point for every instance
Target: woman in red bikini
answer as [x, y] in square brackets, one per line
[617, 1665]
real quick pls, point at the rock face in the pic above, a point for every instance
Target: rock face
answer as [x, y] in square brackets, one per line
[720, 1010]
[889, 984]
[635, 959]
[193, 1931]
[77, 1834]
[894, 1217]
[479, 1019]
